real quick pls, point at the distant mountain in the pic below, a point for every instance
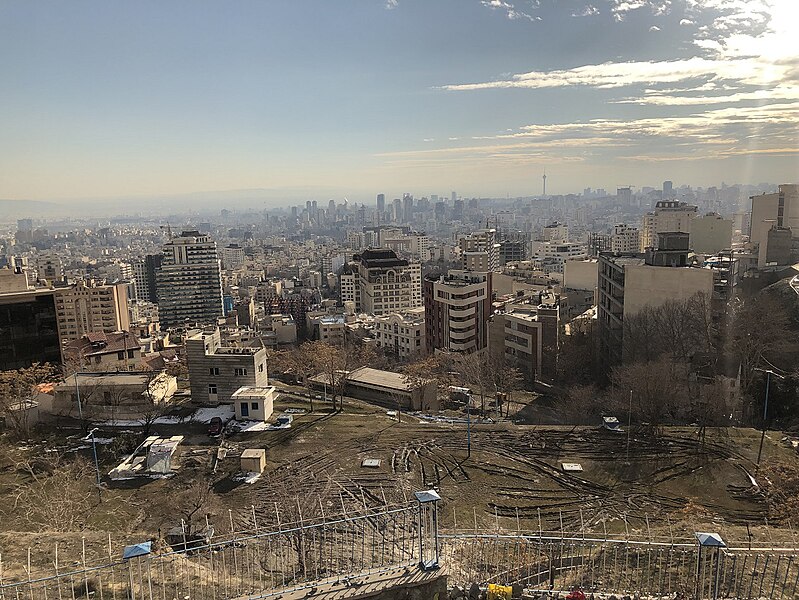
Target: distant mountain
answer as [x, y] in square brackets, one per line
[11, 210]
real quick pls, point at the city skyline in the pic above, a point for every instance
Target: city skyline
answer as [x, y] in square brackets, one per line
[310, 100]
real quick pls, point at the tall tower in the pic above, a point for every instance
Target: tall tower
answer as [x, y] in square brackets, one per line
[545, 183]
[189, 281]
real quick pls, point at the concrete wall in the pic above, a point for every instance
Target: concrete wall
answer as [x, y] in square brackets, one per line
[580, 274]
[710, 234]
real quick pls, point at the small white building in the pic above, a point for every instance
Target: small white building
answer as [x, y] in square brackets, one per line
[254, 403]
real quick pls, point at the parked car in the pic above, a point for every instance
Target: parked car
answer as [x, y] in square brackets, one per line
[215, 426]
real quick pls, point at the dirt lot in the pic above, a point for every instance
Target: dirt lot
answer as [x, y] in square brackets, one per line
[672, 485]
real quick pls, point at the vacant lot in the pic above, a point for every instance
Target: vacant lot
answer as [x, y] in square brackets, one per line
[669, 485]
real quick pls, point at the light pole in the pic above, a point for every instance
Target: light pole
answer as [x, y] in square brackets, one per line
[768, 373]
[96, 463]
[629, 424]
[469, 425]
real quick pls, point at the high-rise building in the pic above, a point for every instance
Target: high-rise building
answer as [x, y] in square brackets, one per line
[480, 251]
[189, 281]
[625, 239]
[379, 282]
[457, 307]
[407, 208]
[668, 217]
[630, 282]
[381, 203]
[624, 195]
[668, 190]
[144, 273]
[89, 307]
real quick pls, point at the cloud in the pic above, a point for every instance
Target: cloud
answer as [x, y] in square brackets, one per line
[509, 9]
[654, 28]
[686, 22]
[588, 11]
[391, 4]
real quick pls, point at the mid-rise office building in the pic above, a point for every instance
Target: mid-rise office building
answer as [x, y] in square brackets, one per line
[144, 274]
[189, 281]
[378, 282]
[777, 211]
[90, 307]
[457, 307]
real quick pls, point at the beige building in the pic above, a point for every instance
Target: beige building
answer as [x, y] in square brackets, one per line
[104, 353]
[480, 251]
[710, 234]
[217, 370]
[580, 274]
[386, 388]
[254, 404]
[89, 307]
[379, 282]
[630, 282]
[114, 395]
[774, 211]
[668, 216]
[401, 334]
[457, 308]
[625, 239]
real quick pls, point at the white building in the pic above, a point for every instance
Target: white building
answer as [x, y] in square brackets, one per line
[550, 256]
[402, 334]
[379, 282]
[480, 251]
[669, 216]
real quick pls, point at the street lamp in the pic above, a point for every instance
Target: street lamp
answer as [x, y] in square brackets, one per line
[768, 373]
[96, 464]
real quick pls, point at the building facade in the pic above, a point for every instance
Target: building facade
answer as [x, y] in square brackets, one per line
[457, 307]
[379, 282]
[668, 216]
[401, 334]
[88, 307]
[30, 329]
[217, 370]
[189, 281]
[625, 239]
[480, 251]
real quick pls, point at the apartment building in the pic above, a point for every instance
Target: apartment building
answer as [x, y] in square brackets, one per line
[217, 370]
[480, 251]
[189, 281]
[630, 282]
[625, 239]
[104, 353]
[91, 307]
[401, 334]
[551, 256]
[668, 216]
[378, 282]
[771, 215]
[457, 307]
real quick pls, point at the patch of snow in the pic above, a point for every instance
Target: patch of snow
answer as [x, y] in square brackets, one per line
[204, 415]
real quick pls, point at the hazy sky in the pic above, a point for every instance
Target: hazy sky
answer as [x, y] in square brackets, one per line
[354, 97]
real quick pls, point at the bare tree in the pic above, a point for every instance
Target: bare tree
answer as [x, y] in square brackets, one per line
[17, 391]
[333, 362]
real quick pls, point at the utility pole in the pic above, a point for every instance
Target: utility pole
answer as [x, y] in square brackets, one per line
[629, 424]
[765, 416]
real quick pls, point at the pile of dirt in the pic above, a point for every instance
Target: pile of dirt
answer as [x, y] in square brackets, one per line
[781, 488]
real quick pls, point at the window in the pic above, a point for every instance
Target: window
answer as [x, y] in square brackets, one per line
[254, 405]
[131, 353]
[214, 370]
[261, 368]
[239, 372]
[212, 388]
[120, 355]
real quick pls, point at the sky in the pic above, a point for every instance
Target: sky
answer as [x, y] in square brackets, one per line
[322, 98]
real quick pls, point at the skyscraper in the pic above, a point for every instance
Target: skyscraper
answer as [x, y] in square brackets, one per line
[189, 281]
[381, 203]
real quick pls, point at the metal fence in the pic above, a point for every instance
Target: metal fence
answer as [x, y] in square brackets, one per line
[654, 569]
[252, 564]
[295, 556]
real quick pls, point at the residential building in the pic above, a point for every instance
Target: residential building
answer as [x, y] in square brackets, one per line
[232, 256]
[550, 255]
[189, 281]
[328, 328]
[457, 307]
[144, 274]
[379, 282]
[90, 307]
[401, 334]
[480, 251]
[104, 352]
[625, 239]
[630, 282]
[217, 370]
[668, 216]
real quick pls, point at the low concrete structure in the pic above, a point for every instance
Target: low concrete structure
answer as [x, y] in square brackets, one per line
[386, 388]
[254, 403]
[253, 460]
[152, 458]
